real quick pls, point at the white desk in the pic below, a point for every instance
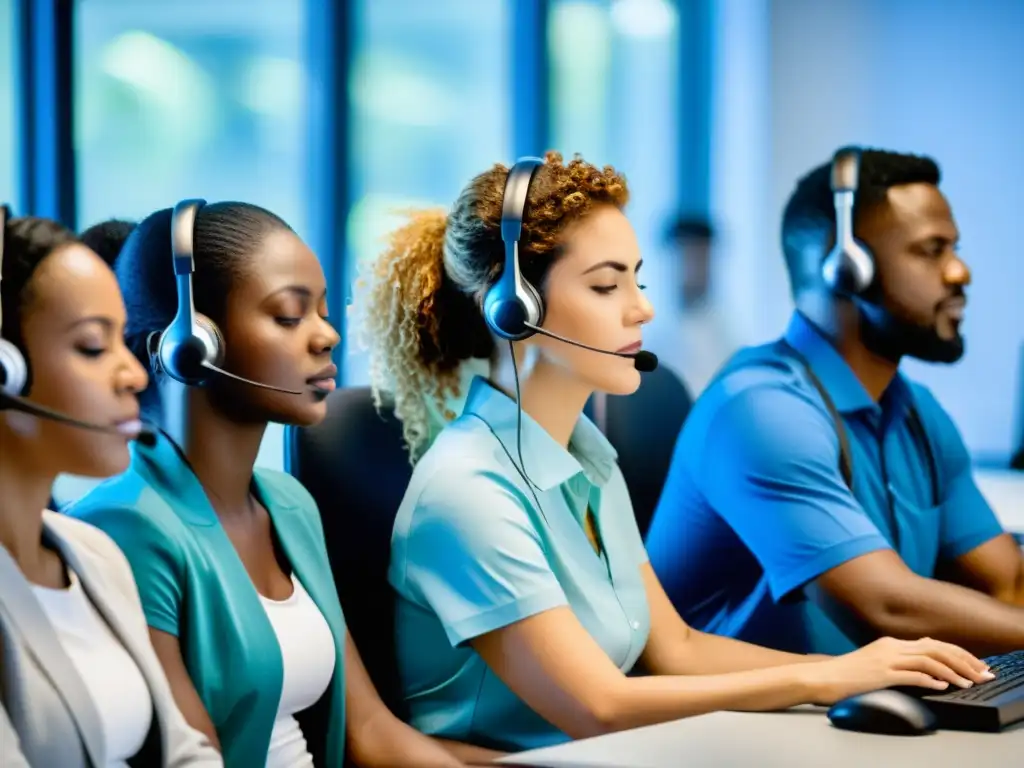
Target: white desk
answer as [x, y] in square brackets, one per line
[1004, 490]
[798, 738]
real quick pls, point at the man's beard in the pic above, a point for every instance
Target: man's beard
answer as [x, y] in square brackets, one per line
[892, 337]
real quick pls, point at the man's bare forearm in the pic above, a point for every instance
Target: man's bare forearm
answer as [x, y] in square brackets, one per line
[1018, 599]
[930, 608]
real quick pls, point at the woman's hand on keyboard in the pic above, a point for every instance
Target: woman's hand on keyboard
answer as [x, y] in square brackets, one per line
[888, 662]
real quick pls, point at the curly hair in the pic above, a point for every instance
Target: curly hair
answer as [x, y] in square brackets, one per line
[420, 309]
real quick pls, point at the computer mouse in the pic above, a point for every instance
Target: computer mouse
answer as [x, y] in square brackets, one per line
[889, 712]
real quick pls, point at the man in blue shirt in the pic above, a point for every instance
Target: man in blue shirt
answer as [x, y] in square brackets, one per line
[817, 497]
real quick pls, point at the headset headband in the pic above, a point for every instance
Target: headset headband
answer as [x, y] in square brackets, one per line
[513, 204]
[183, 222]
[846, 170]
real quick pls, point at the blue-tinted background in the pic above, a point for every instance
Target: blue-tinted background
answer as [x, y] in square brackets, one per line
[712, 107]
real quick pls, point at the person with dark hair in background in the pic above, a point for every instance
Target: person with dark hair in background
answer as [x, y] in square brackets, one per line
[79, 682]
[108, 237]
[698, 340]
[818, 498]
[525, 598]
[230, 558]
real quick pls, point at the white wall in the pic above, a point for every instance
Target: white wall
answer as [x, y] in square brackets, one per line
[798, 78]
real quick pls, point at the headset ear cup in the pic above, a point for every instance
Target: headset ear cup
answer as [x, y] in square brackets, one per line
[505, 312]
[202, 346]
[847, 273]
[865, 273]
[831, 273]
[15, 369]
[213, 340]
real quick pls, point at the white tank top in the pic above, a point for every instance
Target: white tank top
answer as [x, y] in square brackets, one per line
[109, 673]
[307, 650]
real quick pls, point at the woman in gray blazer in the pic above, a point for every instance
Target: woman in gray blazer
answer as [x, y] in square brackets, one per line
[80, 685]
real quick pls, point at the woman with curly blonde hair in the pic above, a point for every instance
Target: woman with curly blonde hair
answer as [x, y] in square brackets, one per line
[525, 598]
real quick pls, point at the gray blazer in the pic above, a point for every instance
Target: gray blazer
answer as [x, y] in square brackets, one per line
[46, 715]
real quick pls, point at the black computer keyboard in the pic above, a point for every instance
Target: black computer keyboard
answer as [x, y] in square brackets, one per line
[989, 706]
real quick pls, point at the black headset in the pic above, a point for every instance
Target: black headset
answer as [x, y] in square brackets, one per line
[512, 306]
[191, 348]
[13, 365]
[849, 268]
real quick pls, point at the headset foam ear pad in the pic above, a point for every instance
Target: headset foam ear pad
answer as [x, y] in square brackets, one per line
[534, 304]
[153, 351]
[14, 368]
[213, 339]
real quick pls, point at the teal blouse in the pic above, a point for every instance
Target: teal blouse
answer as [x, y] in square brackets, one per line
[475, 549]
[194, 586]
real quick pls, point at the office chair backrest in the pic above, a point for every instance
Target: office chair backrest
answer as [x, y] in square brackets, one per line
[356, 468]
[643, 428]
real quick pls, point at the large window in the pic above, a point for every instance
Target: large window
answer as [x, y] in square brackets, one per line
[8, 104]
[429, 108]
[614, 86]
[191, 99]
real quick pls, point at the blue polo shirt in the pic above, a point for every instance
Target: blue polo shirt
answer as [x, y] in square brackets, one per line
[755, 505]
[475, 549]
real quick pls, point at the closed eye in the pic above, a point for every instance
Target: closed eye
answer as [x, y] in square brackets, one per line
[618, 266]
[91, 351]
[937, 247]
[604, 290]
[288, 322]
